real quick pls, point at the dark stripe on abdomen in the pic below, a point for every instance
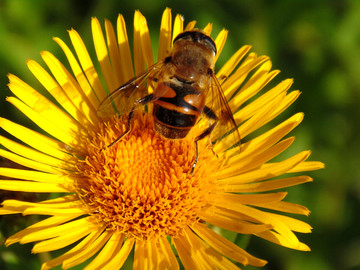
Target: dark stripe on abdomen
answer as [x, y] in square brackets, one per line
[173, 118]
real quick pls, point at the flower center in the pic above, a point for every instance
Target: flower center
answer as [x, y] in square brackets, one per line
[142, 185]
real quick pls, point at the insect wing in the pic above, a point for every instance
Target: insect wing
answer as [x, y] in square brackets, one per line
[122, 100]
[226, 131]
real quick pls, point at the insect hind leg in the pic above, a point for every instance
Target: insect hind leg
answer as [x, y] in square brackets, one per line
[142, 101]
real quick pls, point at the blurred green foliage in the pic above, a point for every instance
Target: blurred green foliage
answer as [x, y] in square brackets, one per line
[315, 42]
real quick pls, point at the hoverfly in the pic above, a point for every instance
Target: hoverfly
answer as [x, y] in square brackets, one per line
[184, 87]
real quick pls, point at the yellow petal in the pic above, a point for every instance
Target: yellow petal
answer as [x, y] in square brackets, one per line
[249, 199]
[103, 55]
[178, 26]
[225, 247]
[220, 42]
[61, 241]
[110, 249]
[267, 185]
[33, 154]
[141, 260]
[87, 113]
[267, 171]
[64, 133]
[139, 61]
[119, 258]
[89, 250]
[169, 254]
[260, 216]
[34, 176]
[36, 140]
[27, 186]
[87, 64]
[190, 26]
[146, 42]
[294, 224]
[260, 143]
[184, 252]
[165, 34]
[281, 240]
[79, 74]
[27, 162]
[230, 65]
[124, 50]
[56, 231]
[208, 29]
[78, 248]
[308, 166]
[46, 223]
[233, 224]
[283, 207]
[114, 54]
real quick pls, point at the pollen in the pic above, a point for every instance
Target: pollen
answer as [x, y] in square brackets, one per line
[142, 186]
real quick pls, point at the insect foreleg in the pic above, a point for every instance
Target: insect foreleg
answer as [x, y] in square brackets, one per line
[142, 101]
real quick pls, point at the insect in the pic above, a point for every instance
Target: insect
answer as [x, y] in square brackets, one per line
[185, 89]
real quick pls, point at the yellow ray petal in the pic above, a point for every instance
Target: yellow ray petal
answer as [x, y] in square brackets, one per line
[114, 54]
[294, 224]
[124, 50]
[87, 113]
[169, 254]
[34, 176]
[178, 26]
[260, 216]
[184, 251]
[225, 247]
[267, 171]
[79, 74]
[165, 34]
[87, 64]
[230, 65]
[42, 105]
[118, 259]
[27, 186]
[78, 248]
[282, 241]
[262, 157]
[145, 41]
[28, 163]
[54, 89]
[110, 249]
[208, 29]
[46, 223]
[190, 26]
[251, 63]
[103, 55]
[220, 42]
[53, 211]
[308, 166]
[61, 241]
[88, 251]
[36, 140]
[139, 61]
[33, 154]
[56, 231]
[141, 258]
[249, 199]
[232, 224]
[267, 185]
[66, 135]
[283, 207]
[260, 143]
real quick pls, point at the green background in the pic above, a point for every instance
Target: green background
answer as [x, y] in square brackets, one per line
[315, 42]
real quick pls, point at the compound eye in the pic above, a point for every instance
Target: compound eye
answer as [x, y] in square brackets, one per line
[197, 36]
[209, 43]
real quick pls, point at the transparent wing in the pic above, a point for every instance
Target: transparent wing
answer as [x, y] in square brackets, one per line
[122, 100]
[225, 131]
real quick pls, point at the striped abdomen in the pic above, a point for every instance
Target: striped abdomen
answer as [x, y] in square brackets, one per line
[177, 111]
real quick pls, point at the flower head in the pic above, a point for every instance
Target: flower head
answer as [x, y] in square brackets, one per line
[139, 193]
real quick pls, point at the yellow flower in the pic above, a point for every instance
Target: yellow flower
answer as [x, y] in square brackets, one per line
[139, 194]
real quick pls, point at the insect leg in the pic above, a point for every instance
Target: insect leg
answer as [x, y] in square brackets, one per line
[210, 114]
[142, 101]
